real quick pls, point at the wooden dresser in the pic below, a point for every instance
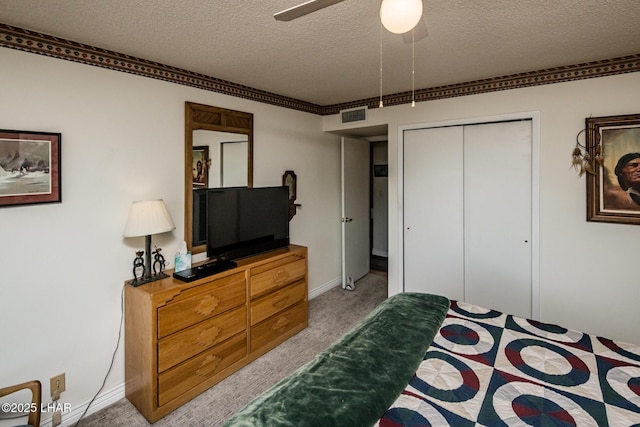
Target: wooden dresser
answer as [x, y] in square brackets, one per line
[182, 338]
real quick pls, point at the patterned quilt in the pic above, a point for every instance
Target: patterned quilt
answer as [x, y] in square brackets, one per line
[486, 368]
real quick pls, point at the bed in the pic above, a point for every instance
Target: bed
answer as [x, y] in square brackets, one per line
[488, 368]
[421, 360]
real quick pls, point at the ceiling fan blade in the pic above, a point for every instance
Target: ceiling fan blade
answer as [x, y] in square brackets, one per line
[303, 9]
[419, 32]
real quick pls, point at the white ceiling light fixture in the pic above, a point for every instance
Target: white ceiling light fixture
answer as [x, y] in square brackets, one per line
[397, 16]
[400, 16]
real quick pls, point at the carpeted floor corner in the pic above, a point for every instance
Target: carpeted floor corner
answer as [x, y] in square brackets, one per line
[330, 315]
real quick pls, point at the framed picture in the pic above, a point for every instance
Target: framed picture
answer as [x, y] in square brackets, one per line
[29, 167]
[200, 166]
[613, 190]
[380, 171]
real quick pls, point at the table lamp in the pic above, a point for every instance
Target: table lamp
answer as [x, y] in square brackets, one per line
[146, 218]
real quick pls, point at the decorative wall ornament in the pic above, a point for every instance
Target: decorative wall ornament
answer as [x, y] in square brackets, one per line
[613, 188]
[289, 179]
[586, 159]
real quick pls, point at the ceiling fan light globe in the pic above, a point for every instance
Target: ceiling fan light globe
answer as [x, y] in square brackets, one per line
[400, 16]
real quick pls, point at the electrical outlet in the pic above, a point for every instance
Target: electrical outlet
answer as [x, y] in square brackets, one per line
[56, 420]
[57, 386]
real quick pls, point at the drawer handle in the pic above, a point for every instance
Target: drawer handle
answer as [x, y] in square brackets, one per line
[281, 324]
[281, 277]
[208, 365]
[207, 305]
[208, 336]
[281, 302]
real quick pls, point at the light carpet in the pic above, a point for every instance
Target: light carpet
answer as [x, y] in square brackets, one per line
[330, 315]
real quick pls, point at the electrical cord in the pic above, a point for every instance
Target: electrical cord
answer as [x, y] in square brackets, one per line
[113, 357]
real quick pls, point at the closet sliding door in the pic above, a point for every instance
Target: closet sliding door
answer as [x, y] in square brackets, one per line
[433, 211]
[497, 216]
[467, 214]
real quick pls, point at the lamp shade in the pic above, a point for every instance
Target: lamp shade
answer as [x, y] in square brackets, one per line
[148, 217]
[400, 16]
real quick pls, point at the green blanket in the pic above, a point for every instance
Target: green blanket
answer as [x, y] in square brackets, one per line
[356, 379]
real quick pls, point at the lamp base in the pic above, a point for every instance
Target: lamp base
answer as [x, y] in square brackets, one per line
[143, 280]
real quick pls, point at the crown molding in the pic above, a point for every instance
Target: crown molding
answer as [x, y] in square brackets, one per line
[43, 44]
[587, 70]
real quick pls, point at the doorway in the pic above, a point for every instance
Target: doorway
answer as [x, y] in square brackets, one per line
[364, 207]
[379, 204]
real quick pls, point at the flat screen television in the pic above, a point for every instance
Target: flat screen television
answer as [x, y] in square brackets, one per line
[245, 221]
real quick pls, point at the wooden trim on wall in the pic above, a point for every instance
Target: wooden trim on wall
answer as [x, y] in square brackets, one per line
[43, 44]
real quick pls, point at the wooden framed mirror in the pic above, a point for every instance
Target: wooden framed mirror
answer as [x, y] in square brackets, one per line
[223, 144]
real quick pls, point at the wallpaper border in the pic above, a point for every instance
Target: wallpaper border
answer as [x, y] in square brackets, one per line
[43, 44]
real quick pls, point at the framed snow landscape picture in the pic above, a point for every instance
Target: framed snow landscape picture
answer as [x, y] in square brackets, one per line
[29, 167]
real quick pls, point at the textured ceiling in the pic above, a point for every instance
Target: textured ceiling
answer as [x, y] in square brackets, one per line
[333, 56]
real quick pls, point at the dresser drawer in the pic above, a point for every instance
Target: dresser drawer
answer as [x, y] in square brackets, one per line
[201, 302]
[277, 274]
[271, 329]
[184, 377]
[272, 303]
[182, 345]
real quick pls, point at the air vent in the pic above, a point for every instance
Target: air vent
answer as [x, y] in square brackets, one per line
[354, 115]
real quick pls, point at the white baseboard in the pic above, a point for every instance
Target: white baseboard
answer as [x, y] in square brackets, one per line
[103, 400]
[324, 288]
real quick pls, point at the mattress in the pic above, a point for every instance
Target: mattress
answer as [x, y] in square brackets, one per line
[489, 368]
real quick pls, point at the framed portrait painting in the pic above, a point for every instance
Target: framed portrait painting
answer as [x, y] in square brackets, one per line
[200, 166]
[29, 167]
[613, 190]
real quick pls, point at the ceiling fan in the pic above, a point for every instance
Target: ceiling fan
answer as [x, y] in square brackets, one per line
[419, 31]
[303, 9]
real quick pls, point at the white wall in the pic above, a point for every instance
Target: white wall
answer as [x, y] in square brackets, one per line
[587, 278]
[63, 265]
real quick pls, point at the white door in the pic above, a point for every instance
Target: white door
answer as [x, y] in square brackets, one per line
[234, 168]
[355, 209]
[467, 214]
[433, 212]
[497, 216]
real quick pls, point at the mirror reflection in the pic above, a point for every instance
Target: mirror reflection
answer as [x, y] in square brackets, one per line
[219, 159]
[218, 153]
